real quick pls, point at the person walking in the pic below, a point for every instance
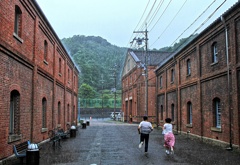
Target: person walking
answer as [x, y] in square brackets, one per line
[144, 129]
[169, 138]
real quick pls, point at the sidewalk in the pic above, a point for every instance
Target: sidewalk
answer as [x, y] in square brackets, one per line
[116, 143]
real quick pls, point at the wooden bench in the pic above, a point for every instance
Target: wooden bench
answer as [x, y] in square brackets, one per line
[21, 149]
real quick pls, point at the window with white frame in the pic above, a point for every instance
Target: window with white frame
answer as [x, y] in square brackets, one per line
[214, 53]
[172, 75]
[18, 21]
[217, 112]
[161, 112]
[160, 82]
[60, 65]
[59, 112]
[188, 67]
[68, 113]
[44, 113]
[189, 113]
[172, 111]
[14, 127]
[45, 50]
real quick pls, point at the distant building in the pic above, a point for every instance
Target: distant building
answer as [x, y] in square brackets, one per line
[199, 86]
[38, 79]
[134, 84]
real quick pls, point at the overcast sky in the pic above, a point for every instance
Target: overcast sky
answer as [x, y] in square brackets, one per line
[115, 20]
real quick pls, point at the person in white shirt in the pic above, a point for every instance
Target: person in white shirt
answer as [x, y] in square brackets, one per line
[144, 128]
[169, 138]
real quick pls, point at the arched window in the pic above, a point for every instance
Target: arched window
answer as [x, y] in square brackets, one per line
[68, 113]
[189, 113]
[161, 112]
[172, 111]
[188, 67]
[68, 74]
[18, 21]
[216, 113]
[44, 113]
[14, 127]
[45, 50]
[59, 112]
[160, 82]
[73, 114]
[60, 65]
[214, 52]
[172, 75]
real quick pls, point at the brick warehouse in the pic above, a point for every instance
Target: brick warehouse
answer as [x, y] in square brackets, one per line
[198, 87]
[38, 79]
[134, 85]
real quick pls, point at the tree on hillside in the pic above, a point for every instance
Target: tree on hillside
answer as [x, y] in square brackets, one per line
[86, 91]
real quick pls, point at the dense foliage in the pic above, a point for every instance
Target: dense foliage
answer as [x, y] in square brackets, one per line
[99, 62]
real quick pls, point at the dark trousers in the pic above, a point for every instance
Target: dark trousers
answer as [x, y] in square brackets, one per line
[145, 137]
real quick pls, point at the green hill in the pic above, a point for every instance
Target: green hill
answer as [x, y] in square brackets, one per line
[96, 59]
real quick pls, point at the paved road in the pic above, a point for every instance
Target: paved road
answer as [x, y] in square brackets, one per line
[116, 143]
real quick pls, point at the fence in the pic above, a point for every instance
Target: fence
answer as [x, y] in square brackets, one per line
[100, 103]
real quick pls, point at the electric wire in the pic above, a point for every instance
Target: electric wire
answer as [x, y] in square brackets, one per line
[187, 40]
[139, 21]
[194, 21]
[169, 23]
[145, 21]
[155, 12]
[161, 15]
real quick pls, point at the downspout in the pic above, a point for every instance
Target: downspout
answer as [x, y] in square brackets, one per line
[33, 80]
[228, 84]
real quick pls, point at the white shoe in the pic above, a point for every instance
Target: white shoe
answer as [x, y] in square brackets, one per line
[140, 145]
[167, 152]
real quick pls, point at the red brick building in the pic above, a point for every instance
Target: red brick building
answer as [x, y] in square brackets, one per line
[134, 85]
[38, 79]
[198, 87]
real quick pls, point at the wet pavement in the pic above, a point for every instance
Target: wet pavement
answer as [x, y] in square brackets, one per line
[107, 142]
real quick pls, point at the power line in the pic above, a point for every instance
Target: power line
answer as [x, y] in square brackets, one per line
[194, 21]
[161, 15]
[169, 23]
[155, 13]
[144, 23]
[139, 21]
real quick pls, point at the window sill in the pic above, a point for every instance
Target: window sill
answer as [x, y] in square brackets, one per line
[188, 75]
[215, 63]
[189, 125]
[214, 129]
[60, 75]
[172, 82]
[45, 62]
[18, 38]
[44, 130]
[14, 137]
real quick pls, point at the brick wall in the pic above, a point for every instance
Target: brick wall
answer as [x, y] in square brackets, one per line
[207, 81]
[25, 68]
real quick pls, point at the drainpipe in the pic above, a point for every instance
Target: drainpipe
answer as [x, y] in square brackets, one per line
[228, 83]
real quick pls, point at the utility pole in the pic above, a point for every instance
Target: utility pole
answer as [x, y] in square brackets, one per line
[102, 94]
[139, 41]
[114, 89]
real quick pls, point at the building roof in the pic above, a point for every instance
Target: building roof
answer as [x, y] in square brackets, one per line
[154, 57]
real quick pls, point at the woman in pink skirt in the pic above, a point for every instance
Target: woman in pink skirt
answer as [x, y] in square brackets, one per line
[169, 139]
